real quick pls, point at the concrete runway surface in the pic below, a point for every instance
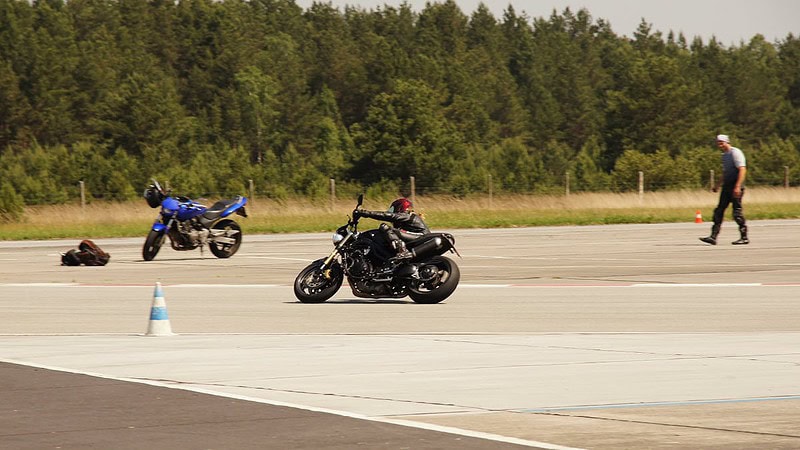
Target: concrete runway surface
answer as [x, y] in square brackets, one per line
[596, 337]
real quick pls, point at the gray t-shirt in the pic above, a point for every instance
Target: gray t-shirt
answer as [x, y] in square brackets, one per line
[731, 161]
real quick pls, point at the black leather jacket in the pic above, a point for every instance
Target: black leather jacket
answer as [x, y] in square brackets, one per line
[405, 221]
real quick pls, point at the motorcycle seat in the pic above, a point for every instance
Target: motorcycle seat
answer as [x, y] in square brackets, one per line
[217, 208]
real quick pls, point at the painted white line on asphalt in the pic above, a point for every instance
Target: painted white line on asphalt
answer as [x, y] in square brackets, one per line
[572, 285]
[226, 285]
[148, 285]
[665, 403]
[277, 258]
[461, 286]
[406, 423]
[492, 286]
[695, 284]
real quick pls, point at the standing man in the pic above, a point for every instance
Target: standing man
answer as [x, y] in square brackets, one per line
[734, 170]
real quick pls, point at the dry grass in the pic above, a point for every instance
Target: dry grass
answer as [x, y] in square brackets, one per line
[690, 199]
[100, 219]
[112, 213]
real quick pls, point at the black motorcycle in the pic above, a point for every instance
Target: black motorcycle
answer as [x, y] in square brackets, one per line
[365, 259]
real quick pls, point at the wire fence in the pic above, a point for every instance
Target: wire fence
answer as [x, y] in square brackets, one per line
[412, 187]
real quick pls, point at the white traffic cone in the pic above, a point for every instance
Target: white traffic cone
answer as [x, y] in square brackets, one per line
[159, 320]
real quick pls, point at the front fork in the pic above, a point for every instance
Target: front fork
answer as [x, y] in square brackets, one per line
[159, 226]
[326, 265]
[163, 228]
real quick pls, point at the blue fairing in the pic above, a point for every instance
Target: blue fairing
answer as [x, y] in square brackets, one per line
[169, 207]
[189, 210]
[181, 210]
[241, 201]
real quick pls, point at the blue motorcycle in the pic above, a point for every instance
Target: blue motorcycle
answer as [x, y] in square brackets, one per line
[190, 225]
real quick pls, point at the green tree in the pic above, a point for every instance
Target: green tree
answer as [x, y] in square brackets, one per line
[657, 107]
[569, 76]
[660, 171]
[789, 56]
[14, 109]
[513, 167]
[485, 102]
[12, 206]
[144, 111]
[31, 172]
[756, 91]
[256, 94]
[406, 134]
[589, 176]
[51, 86]
[766, 162]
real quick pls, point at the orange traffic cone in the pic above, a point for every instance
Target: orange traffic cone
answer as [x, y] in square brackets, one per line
[698, 218]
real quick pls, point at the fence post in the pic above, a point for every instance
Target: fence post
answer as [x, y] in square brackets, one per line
[490, 190]
[641, 186]
[252, 193]
[333, 194]
[83, 195]
[566, 183]
[786, 177]
[711, 181]
[413, 191]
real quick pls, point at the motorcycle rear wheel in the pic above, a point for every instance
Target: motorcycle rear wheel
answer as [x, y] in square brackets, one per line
[153, 243]
[441, 286]
[226, 250]
[312, 286]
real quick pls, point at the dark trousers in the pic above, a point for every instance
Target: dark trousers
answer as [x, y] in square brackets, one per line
[393, 236]
[726, 198]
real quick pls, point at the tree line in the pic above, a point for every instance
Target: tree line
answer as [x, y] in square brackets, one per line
[209, 94]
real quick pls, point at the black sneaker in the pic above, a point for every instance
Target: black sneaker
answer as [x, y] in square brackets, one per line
[709, 240]
[742, 241]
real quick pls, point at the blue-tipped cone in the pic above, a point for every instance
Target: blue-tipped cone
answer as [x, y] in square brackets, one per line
[159, 319]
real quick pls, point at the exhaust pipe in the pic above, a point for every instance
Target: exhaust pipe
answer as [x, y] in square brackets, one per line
[426, 249]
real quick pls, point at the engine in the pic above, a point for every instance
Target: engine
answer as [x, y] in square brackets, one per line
[358, 265]
[190, 234]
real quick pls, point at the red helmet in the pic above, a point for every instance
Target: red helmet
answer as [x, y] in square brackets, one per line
[400, 205]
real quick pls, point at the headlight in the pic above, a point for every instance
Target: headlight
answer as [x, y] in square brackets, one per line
[337, 238]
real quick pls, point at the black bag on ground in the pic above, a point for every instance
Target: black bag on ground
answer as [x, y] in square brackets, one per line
[70, 258]
[87, 253]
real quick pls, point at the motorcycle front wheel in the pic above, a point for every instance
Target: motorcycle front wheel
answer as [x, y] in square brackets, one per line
[442, 276]
[314, 285]
[232, 231]
[152, 244]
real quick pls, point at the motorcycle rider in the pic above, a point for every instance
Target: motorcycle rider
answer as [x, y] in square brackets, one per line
[406, 225]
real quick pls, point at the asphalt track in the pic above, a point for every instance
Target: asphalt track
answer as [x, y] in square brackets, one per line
[598, 337]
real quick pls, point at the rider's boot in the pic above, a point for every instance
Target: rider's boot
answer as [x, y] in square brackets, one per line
[743, 239]
[709, 240]
[713, 238]
[402, 252]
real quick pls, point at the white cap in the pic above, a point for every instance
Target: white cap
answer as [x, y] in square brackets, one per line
[723, 138]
